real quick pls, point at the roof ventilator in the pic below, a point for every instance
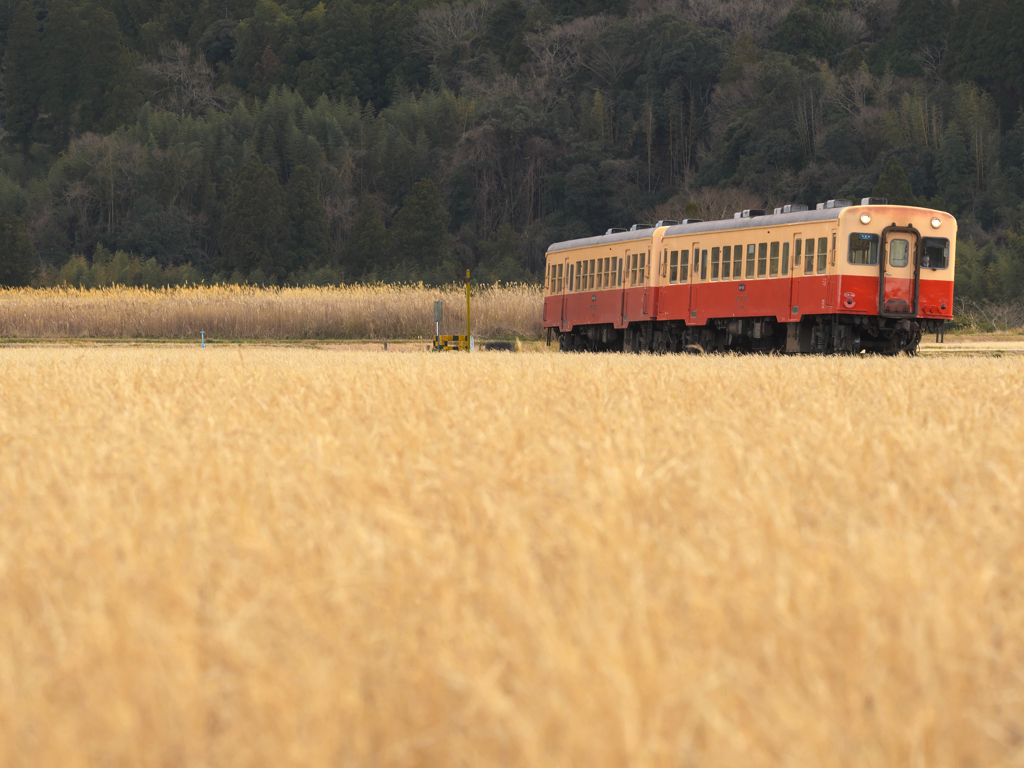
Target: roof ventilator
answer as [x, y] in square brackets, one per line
[749, 213]
[791, 209]
[666, 223]
[638, 227]
[874, 201]
[834, 204]
[692, 221]
[614, 230]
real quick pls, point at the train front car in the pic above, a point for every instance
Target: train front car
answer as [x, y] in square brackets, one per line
[841, 278]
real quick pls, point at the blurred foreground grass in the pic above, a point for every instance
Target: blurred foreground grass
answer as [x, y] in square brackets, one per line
[237, 557]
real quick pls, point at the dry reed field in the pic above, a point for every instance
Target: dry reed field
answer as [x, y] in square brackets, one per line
[243, 312]
[298, 557]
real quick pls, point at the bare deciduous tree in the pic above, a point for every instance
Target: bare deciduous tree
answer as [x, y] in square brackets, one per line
[439, 29]
[187, 82]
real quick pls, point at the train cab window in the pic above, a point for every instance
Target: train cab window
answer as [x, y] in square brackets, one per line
[737, 262]
[773, 260]
[796, 253]
[751, 257]
[716, 254]
[673, 267]
[936, 253]
[762, 259]
[863, 249]
[704, 264]
[643, 264]
[899, 253]
[684, 266]
[785, 259]
[822, 254]
[726, 261]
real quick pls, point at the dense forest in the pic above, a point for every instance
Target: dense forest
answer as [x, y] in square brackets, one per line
[310, 142]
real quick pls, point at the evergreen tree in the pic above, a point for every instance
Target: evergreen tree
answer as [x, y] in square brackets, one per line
[21, 75]
[951, 166]
[101, 68]
[894, 185]
[254, 230]
[310, 240]
[366, 251]
[419, 234]
[17, 255]
[61, 73]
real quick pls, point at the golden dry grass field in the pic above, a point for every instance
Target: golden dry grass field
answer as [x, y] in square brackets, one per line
[243, 312]
[300, 557]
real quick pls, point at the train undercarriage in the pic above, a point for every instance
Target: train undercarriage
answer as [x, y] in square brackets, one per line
[821, 334]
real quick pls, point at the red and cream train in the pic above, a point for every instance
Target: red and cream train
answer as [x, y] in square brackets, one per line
[841, 278]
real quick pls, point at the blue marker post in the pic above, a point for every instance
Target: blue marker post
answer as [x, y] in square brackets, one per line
[202, 335]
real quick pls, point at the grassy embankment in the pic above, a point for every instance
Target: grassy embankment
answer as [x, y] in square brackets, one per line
[259, 556]
[233, 312]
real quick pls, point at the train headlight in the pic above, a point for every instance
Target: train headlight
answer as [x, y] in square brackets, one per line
[865, 218]
[936, 223]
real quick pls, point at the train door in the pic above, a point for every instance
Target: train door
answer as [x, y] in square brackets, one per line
[832, 280]
[646, 307]
[798, 270]
[566, 287]
[898, 267]
[693, 280]
[624, 285]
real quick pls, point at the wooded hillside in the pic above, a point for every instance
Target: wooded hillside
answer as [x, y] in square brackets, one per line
[345, 140]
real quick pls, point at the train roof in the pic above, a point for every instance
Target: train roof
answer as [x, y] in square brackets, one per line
[618, 237]
[722, 225]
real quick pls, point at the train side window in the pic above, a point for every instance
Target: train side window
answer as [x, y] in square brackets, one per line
[664, 263]
[704, 264]
[643, 265]
[559, 278]
[936, 253]
[785, 259]
[773, 260]
[632, 271]
[572, 276]
[863, 249]
[608, 275]
[809, 256]
[716, 254]
[737, 262]
[585, 275]
[822, 254]
[762, 259]
[751, 255]
[796, 253]
[673, 267]
[726, 261]
[592, 274]
[684, 266]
